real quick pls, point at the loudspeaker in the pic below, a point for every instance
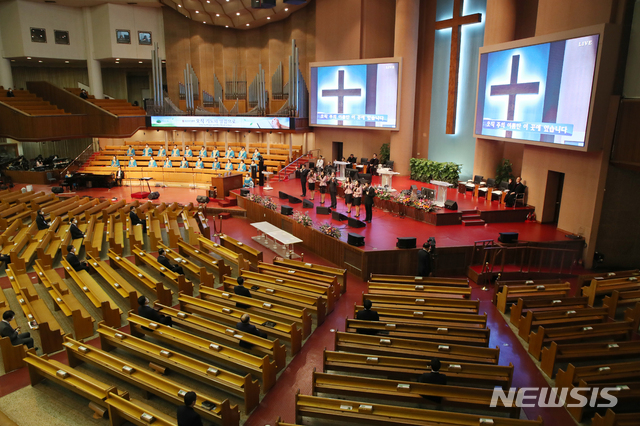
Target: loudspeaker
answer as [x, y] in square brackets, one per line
[355, 239]
[306, 204]
[355, 223]
[263, 4]
[323, 210]
[286, 210]
[450, 205]
[338, 216]
[406, 242]
[243, 192]
[201, 199]
[294, 200]
[57, 190]
[282, 195]
[213, 193]
[154, 195]
[508, 237]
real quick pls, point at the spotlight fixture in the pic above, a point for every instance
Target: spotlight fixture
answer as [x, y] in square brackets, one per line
[204, 22]
[179, 5]
[40, 61]
[226, 26]
[66, 62]
[197, 11]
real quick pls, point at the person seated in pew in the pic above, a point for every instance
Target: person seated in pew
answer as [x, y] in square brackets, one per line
[74, 230]
[162, 152]
[216, 164]
[164, 261]
[167, 163]
[187, 416]
[120, 174]
[73, 260]
[241, 290]
[242, 154]
[203, 152]
[188, 152]
[367, 314]
[131, 152]
[215, 153]
[6, 259]
[147, 152]
[246, 327]
[184, 164]
[230, 153]
[433, 377]
[199, 163]
[256, 155]
[135, 220]
[242, 167]
[84, 94]
[10, 93]
[248, 182]
[152, 314]
[175, 152]
[152, 163]
[228, 166]
[14, 335]
[41, 222]
[115, 162]
[132, 162]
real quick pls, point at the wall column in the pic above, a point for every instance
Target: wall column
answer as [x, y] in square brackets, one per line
[6, 77]
[94, 67]
[406, 47]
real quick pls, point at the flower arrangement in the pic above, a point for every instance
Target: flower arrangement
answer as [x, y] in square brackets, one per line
[330, 230]
[268, 203]
[383, 193]
[403, 199]
[256, 198]
[303, 219]
[425, 205]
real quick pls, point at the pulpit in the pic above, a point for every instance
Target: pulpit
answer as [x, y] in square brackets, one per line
[342, 169]
[441, 192]
[386, 176]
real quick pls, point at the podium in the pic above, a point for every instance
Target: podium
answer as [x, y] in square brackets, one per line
[267, 175]
[441, 192]
[386, 177]
[342, 169]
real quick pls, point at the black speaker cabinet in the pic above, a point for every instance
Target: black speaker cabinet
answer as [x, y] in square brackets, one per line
[338, 216]
[355, 239]
[286, 210]
[282, 195]
[406, 242]
[323, 210]
[355, 223]
[450, 205]
[508, 237]
[244, 192]
[306, 204]
[202, 199]
[57, 190]
[294, 200]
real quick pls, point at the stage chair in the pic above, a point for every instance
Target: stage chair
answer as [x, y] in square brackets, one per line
[471, 184]
[484, 191]
[497, 193]
[521, 198]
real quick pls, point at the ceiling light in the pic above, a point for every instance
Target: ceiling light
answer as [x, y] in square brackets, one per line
[247, 25]
[197, 11]
[40, 61]
[179, 5]
[208, 1]
[117, 59]
[66, 62]
[268, 17]
[286, 9]
[217, 14]
[204, 22]
[28, 57]
[226, 26]
[238, 13]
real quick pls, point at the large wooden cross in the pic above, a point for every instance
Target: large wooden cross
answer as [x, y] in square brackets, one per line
[455, 23]
[341, 92]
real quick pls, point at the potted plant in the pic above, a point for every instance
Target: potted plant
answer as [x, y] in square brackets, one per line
[504, 171]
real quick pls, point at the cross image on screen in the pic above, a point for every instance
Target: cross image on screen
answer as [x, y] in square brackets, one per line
[359, 95]
[537, 93]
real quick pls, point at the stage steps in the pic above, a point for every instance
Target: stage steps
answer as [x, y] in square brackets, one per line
[228, 202]
[472, 219]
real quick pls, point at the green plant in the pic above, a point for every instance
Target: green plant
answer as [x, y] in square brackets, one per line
[425, 170]
[504, 171]
[385, 152]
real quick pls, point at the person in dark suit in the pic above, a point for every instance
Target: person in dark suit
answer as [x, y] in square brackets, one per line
[84, 94]
[41, 222]
[74, 230]
[303, 178]
[74, 261]
[187, 416]
[135, 220]
[241, 290]
[164, 261]
[514, 189]
[119, 176]
[373, 164]
[333, 190]
[368, 193]
[352, 161]
[6, 259]
[424, 260]
[246, 327]
[367, 314]
[434, 377]
[15, 336]
[146, 311]
[10, 93]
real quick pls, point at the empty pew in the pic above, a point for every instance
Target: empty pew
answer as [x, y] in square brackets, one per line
[94, 292]
[588, 352]
[208, 261]
[219, 354]
[17, 212]
[23, 251]
[608, 286]
[65, 301]
[172, 228]
[561, 304]
[600, 373]
[532, 320]
[249, 253]
[48, 248]
[511, 294]
[231, 258]
[43, 201]
[134, 233]
[118, 283]
[407, 279]
[153, 231]
[163, 294]
[123, 411]
[205, 277]
[339, 273]
[420, 290]
[384, 345]
[11, 232]
[427, 304]
[97, 209]
[585, 279]
[244, 387]
[81, 209]
[190, 226]
[428, 318]
[142, 258]
[612, 418]
[286, 331]
[115, 235]
[309, 277]
[93, 241]
[627, 394]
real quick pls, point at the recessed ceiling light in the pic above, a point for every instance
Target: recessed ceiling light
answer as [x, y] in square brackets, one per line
[117, 59]
[66, 62]
[139, 62]
[40, 61]
[217, 14]
[208, 1]
[197, 11]
[179, 5]
[204, 22]
[247, 25]
[28, 57]
[286, 9]
[268, 17]
[226, 26]
[238, 13]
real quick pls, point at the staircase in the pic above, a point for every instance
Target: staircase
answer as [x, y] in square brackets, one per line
[471, 218]
[86, 160]
[285, 173]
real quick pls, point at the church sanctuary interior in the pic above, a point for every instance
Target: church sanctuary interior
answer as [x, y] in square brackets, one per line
[319, 212]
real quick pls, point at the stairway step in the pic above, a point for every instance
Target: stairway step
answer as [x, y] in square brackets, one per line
[465, 212]
[231, 201]
[479, 222]
[471, 217]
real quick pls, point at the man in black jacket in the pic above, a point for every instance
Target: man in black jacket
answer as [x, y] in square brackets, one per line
[368, 193]
[15, 336]
[187, 416]
[246, 327]
[241, 290]
[164, 261]
[514, 190]
[303, 178]
[74, 261]
[424, 260]
[333, 190]
[74, 230]
[367, 314]
[119, 176]
[41, 222]
[434, 377]
[135, 220]
[146, 311]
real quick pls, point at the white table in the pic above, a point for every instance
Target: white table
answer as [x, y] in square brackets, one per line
[276, 239]
[342, 169]
[267, 175]
[386, 177]
[441, 192]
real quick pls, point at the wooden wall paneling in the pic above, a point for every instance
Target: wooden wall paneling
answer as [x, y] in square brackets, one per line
[626, 144]
[58, 76]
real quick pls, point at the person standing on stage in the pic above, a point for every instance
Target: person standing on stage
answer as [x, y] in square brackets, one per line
[254, 170]
[261, 169]
[162, 152]
[348, 193]
[303, 178]
[357, 196]
[369, 193]
[322, 183]
[333, 190]
[311, 181]
[352, 161]
[320, 163]
[373, 164]
[425, 258]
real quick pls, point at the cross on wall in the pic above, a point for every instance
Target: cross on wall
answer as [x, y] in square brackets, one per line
[341, 92]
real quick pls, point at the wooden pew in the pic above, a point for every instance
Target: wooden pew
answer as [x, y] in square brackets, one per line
[591, 352]
[66, 239]
[302, 317]
[394, 367]
[230, 258]
[48, 248]
[65, 301]
[561, 304]
[97, 209]
[205, 277]
[213, 351]
[600, 373]
[94, 292]
[606, 287]
[123, 411]
[116, 281]
[43, 201]
[339, 273]
[285, 331]
[379, 414]
[203, 225]
[420, 290]
[427, 304]
[190, 226]
[585, 279]
[309, 277]
[134, 234]
[384, 345]
[163, 294]
[208, 261]
[280, 295]
[115, 235]
[499, 283]
[407, 279]
[17, 212]
[428, 318]
[81, 209]
[21, 259]
[12, 356]
[153, 231]
[455, 335]
[249, 253]
[557, 318]
[615, 419]
[510, 294]
[244, 387]
[142, 258]
[172, 228]
[35, 309]
[627, 394]
[11, 232]
[405, 391]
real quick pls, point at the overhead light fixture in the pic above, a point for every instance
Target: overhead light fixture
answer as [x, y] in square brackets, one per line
[28, 57]
[238, 13]
[247, 25]
[40, 61]
[179, 5]
[204, 22]
[286, 9]
[139, 62]
[217, 14]
[226, 26]
[117, 59]
[13, 60]
[268, 17]
[208, 1]
[197, 11]
[66, 62]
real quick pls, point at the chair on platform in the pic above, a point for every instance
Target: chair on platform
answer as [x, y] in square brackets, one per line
[471, 184]
[497, 193]
[389, 165]
[484, 191]
[50, 177]
[521, 198]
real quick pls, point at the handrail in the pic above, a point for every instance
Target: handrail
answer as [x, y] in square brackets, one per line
[296, 161]
[528, 257]
[64, 171]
